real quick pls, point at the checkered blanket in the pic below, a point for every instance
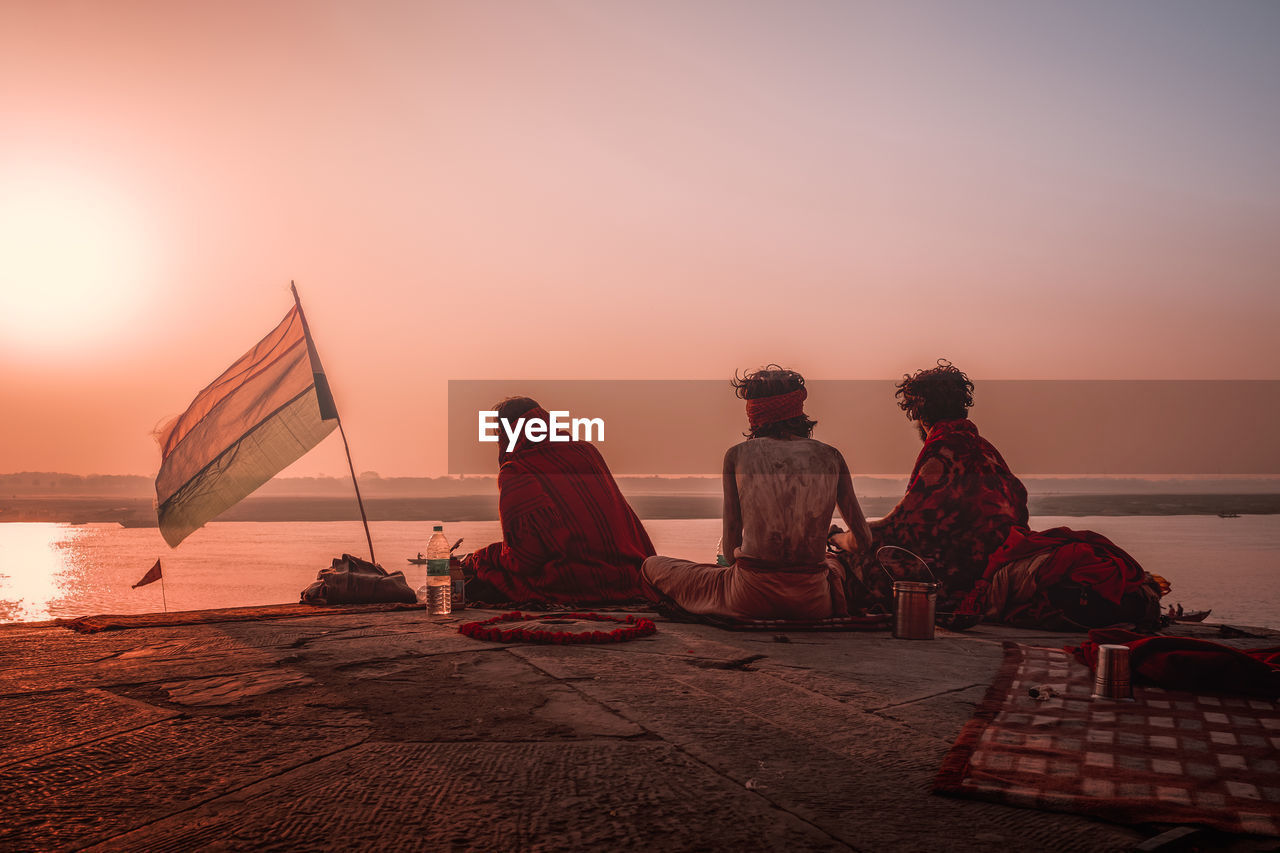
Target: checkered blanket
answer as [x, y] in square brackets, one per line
[1168, 757]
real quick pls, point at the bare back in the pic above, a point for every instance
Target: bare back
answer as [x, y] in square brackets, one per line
[782, 493]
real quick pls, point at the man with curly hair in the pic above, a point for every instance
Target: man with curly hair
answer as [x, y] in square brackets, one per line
[781, 488]
[965, 514]
[961, 501]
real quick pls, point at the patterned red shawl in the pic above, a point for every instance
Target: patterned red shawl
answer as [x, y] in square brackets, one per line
[568, 534]
[961, 502]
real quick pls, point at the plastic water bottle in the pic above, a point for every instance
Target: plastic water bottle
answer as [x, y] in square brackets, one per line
[721, 560]
[439, 584]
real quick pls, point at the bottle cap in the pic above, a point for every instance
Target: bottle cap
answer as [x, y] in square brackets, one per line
[439, 527]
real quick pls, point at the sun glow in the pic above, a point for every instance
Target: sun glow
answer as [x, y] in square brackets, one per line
[75, 262]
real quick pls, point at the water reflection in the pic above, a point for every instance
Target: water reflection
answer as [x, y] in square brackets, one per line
[37, 567]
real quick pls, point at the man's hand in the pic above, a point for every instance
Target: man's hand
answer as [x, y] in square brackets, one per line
[465, 562]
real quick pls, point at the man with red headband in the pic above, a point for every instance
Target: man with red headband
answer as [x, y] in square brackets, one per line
[781, 488]
[568, 534]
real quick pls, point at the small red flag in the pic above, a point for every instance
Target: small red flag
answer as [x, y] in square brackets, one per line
[152, 575]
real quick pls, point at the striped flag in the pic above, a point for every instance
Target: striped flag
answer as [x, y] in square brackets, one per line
[153, 574]
[261, 415]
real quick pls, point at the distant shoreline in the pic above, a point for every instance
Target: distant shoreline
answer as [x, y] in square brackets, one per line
[138, 512]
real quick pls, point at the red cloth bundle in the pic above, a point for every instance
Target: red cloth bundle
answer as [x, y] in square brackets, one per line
[1081, 556]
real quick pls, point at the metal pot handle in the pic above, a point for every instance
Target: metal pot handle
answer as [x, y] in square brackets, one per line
[879, 559]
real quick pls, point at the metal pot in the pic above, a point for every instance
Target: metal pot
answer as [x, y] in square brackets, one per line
[913, 609]
[914, 601]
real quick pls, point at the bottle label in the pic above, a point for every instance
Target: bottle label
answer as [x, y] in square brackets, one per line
[438, 567]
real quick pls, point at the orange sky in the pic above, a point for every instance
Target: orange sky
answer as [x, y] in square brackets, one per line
[619, 189]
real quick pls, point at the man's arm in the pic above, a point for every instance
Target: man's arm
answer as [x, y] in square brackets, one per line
[731, 524]
[859, 536]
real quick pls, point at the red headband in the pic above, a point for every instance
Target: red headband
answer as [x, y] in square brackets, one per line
[779, 407]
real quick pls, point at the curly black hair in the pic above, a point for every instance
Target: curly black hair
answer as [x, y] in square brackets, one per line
[769, 381]
[941, 393]
[513, 407]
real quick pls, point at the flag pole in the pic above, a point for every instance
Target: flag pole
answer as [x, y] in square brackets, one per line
[326, 401]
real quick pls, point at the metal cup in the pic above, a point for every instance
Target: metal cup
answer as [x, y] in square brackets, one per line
[914, 603]
[1111, 678]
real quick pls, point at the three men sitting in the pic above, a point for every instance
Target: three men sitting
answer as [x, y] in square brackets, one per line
[570, 537]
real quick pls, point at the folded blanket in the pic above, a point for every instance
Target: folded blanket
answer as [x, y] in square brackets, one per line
[1186, 663]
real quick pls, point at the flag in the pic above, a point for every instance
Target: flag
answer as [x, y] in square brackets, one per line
[261, 415]
[153, 574]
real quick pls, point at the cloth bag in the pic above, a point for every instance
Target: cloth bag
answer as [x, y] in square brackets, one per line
[351, 580]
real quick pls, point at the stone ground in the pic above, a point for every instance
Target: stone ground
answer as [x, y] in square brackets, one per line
[392, 731]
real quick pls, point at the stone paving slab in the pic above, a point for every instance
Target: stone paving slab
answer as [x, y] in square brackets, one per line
[42, 723]
[232, 689]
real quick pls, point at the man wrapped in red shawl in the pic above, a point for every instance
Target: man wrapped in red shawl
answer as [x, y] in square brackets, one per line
[568, 534]
[965, 513]
[961, 501]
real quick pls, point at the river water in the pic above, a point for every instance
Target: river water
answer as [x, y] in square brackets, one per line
[59, 570]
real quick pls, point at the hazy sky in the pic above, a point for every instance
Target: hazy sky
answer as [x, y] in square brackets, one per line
[596, 189]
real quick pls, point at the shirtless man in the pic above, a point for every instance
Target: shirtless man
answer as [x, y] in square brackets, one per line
[781, 488]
